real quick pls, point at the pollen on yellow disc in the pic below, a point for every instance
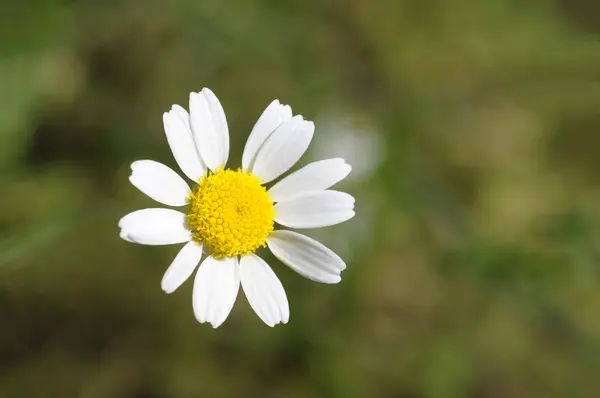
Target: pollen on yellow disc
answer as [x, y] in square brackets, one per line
[230, 213]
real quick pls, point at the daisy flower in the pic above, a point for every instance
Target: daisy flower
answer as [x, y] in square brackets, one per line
[230, 213]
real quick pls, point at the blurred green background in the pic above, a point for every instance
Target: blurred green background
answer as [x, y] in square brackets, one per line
[474, 258]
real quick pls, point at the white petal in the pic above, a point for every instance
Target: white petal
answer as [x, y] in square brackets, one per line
[315, 209]
[283, 148]
[264, 290]
[182, 267]
[209, 128]
[312, 177]
[159, 182]
[154, 227]
[181, 141]
[219, 121]
[215, 288]
[267, 123]
[306, 256]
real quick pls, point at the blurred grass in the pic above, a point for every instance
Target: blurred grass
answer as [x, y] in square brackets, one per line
[473, 259]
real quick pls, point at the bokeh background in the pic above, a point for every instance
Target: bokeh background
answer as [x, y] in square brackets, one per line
[474, 258]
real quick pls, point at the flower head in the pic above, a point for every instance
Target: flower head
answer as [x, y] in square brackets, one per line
[230, 213]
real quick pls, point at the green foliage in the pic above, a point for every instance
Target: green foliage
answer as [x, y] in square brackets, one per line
[472, 262]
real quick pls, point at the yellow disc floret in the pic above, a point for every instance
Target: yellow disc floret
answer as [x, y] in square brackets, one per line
[230, 213]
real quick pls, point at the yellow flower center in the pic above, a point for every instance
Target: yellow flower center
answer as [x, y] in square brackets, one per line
[230, 213]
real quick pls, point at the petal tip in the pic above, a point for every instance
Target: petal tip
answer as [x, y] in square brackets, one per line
[309, 124]
[126, 237]
[268, 323]
[194, 97]
[167, 289]
[215, 324]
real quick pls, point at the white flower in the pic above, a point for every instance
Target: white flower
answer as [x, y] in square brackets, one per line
[230, 213]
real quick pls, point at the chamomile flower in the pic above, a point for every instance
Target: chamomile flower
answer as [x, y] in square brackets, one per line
[230, 213]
